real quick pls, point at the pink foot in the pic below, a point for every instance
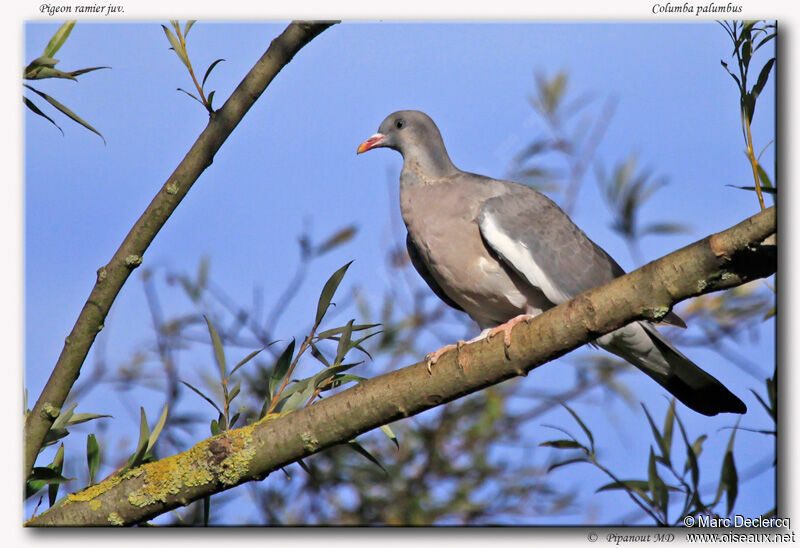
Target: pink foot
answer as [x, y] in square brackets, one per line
[433, 357]
[507, 327]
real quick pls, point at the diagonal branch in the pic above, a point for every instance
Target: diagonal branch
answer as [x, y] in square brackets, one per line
[735, 256]
[111, 277]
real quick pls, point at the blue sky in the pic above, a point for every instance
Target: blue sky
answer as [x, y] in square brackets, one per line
[293, 158]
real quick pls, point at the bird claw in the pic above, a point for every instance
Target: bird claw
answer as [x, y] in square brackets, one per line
[433, 357]
[506, 330]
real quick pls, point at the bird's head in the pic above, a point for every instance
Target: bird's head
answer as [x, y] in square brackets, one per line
[403, 131]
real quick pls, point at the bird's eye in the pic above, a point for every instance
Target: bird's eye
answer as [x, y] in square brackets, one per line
[400, 123]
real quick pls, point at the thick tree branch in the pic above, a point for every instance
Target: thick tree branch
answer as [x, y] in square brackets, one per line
[111, 277]
[720, 261]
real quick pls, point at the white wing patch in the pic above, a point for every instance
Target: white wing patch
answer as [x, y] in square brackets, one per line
[520, 258]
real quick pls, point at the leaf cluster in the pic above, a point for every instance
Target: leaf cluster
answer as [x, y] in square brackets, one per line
[44, 67]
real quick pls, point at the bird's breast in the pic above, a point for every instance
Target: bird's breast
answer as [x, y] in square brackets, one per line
[444, 227]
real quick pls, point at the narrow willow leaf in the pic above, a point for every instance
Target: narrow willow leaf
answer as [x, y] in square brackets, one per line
[64, 416]
[208, 71]
[281, 367]
[35, 109]
[329, 333]
[84, 71]
[561, 444]
[92, 457]
[344, 342]
[580, 422]
[762, 77]
[41, 476]
[219, 352]
[388, 431]
[639, 486]
[176, 46]
[48, 72]
[191, 95]
[234, 392]
[211, 101]
[57, 465]
[157, 430]
[79, 418]
[669, 424]
[358, 448]
[657, 435]
[144, 437]
[339, 380]
[42, 61]
[209, 400]
[186, 28]
[214, 427]
[64, 110]
[328, 291]
[340, 237]
[58, 39]
[566, 462]
[249, 357]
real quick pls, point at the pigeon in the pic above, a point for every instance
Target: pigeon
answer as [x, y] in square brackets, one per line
[502, 252]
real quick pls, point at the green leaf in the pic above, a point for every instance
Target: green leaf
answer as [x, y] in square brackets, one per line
[78, 72]
[208, 71]
[344, 342]
[35, 109]
[57, 465]
[765, 190]
[657, 435]
[388, 431]
[41, 476]
[219, 352]
[562, 444]
[92, 457]
[64, 110]
[157, 430]
[176, 46]
[656, 485]
[340, 237]
[763, 76]
[281, 367]
[639, 486]
[729, 480]
[196, 391]
[79, 418]
[580, 422]
[358, 448]
[211, 101]
[249, 357]
[186, 28]
[339, 380]
[191, 95]
[328, 290]
[58, 39]
[566, 462]
[669, 424]
[329, 333]
[144, 437]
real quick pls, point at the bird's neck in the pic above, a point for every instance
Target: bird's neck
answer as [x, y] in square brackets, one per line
[421, 166]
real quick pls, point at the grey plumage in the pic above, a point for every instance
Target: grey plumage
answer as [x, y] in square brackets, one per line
[497, 249]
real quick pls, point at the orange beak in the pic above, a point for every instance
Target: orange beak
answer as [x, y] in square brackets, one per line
[370, 143]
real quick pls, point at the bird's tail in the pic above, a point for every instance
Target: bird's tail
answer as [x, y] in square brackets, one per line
[643, 346]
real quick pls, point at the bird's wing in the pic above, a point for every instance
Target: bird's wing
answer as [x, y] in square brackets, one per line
[422, 268]
[533, 236]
